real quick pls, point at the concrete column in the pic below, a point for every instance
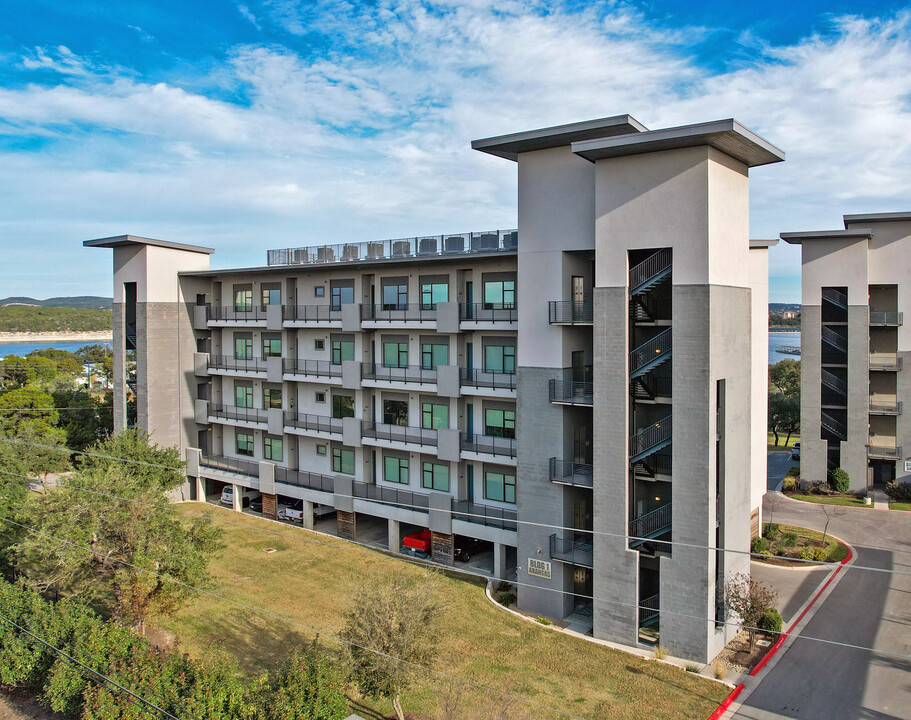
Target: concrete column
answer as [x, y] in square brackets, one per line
[200, 489]
[395, 535]
[499, 561]
[307, 516]
[238, 502]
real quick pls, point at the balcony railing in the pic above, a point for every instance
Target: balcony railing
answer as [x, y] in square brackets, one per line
[571, 551]
[310, 313]
[886, 319]
[399, 433]
[237, 314]
[406, 374]
[570, 312]
[392, 496]
[650, 525]
[235, 465]
[885, 407]
[304, 479]
[232, 412]
[229, 362]
[484, 515]
[483, 379]
[317, 423]
[410, 312]
[571, 392]
[567, 472]
[488, 445]
[884, 452]
[400, 249]
[318, 368]
[885, 361]
[489, 312]
[650, 439]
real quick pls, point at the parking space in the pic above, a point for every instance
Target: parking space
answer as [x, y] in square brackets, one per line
[473, 555]
[372, 531]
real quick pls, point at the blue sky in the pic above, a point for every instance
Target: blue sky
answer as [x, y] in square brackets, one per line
[274, 123]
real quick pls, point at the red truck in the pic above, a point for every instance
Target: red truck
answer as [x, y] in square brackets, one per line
[417, 545]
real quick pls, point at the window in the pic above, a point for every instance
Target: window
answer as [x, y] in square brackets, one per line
[395, 412]
[272, 448]
[433, 355]
[395, 470]
[499, 294]
[395, 297]
[342, 406]
[319, 397]
[320, 344]
[243, 299]
[342, 295]
[243, 396]
[433, 293]
[319, 291]
[272, 295]
[244, 444]
[433, 416]
[500, 423]
[343, 460]
[500, 359]
[500, 486]
[435, 476]
[272, 398]
[395, 354]
[342, 350]
[272, 346]
[243, 348]
[320, 449]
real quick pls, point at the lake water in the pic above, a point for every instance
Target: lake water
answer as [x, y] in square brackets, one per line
[24, 348]
[784, 339]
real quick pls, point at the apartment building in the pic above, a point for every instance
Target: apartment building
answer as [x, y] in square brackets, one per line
[568, 397]
[855, 287]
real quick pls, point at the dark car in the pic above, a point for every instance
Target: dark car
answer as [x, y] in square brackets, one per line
[465, 547]
[256, 504]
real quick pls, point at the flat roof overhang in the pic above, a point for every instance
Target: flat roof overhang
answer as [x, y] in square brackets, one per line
[728, 136]
[877, 217]
[509, 146]
[796, 238]
[757, 243]
[128, 240]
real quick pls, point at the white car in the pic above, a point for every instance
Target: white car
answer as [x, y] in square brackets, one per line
[795, 451]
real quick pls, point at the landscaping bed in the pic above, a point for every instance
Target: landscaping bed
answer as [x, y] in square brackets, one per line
[845, 499]
[737, 655]
[783, 544]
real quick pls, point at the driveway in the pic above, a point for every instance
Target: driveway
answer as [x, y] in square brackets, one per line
[812, 680]
[778, 465]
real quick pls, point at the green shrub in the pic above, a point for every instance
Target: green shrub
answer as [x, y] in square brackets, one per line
[899, 491]
[812, 553]
[840, 480]
[759, 545]
[771, 621]
[504, 598]
[788, 539]
[819, 488]
[781, 550]
[693, 668]
[544, 620]
[790, 485]
[794, 472]
[771, 531]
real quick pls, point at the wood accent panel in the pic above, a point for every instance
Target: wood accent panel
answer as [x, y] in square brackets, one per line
[441, 548]
[270, 507]
[754, 523]
[345, 522]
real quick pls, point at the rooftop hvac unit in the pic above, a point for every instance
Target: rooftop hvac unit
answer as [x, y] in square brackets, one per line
[325, 254]
[350, 252]
[300, 256]
[454, 244]
[427, 246]
[401, 248]
[375, 250]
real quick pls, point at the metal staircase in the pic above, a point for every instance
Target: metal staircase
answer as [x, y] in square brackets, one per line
[836, 427]
[836, 297]
[648, 611]
[839, 342]
[831, 380]
[649, 440]
[650, 272]
[649, 526]
[650, 354]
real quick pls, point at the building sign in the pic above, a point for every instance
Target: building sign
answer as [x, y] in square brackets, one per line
[908, 466]
[539, 568]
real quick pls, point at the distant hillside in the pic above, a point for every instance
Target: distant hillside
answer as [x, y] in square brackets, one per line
[22, 318]
[781, 307]
[80, 302]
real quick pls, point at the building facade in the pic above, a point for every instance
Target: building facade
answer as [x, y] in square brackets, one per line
[566, 399]
[855, 286]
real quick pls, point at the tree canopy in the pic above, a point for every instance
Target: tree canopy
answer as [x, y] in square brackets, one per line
[784, 376]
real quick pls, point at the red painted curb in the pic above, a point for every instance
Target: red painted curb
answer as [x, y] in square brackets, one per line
[726, 703]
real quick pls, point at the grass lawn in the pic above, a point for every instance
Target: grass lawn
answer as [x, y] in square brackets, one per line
[837, 550]
[899, 506]
[311, 583]
[781, 447]
[830, 500]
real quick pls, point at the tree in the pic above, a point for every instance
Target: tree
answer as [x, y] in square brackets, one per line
[306, 687]
[398, 618]
[784, 415]
[86, 419]
[139, 548]
[64, 361]
[830, 512]
[151, 467]
[27, 406]
[749, 599]
[841, 482]
[784, 376]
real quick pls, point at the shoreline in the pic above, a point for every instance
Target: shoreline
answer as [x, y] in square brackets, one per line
[55, 336]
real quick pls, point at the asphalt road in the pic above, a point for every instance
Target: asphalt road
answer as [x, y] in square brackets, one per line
[819, 681]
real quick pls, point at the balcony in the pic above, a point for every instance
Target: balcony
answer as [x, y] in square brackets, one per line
[885, 362]
[317, 315]
[487, 515]
[571, 392]
[405, 499]
[250, 468]
[393, 314]
[406, 374]
[311, 368]
[497, 314]
[233, 315]
[304, 479]
[885, 407]
[572, 552]
[884, 449]
[566, 472]
[649, 526]
[228, 363]
[649, 440]
[421, 248]
[320, 424]
[488, 445]
[570, 312]
[483, 380]
[238, 414]
[886, 319]
[402, 434]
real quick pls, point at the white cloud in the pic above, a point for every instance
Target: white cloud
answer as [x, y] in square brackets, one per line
[60, 60]
[248, 15]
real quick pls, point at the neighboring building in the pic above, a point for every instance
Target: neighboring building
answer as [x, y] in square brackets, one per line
[465, 381]
[789, 314]
[856, 284]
